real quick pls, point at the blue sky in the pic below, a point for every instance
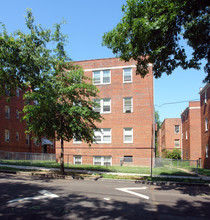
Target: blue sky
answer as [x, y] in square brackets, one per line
[87, 21]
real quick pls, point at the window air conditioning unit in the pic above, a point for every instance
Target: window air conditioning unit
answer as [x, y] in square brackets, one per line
[127, 109]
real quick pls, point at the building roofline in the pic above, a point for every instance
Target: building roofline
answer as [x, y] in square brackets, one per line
[204, 88]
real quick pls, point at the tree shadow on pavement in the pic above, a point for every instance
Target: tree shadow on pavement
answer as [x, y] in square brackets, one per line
[76, 205]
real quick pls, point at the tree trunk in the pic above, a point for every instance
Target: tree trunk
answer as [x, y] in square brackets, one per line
[62, 160]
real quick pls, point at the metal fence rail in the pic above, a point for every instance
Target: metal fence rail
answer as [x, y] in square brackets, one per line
[6, 155]
[53, 160]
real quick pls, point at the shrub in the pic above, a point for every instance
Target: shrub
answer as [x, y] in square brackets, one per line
[174, 154]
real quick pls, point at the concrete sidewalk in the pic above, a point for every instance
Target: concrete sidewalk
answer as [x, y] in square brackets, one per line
[100, 172]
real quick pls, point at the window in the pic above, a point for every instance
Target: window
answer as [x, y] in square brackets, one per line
[127, 75]
[207, 151]
[176, 143]
[104, 105]
[205, 97]
[27, 139]
[101, 77]
[186, 136]
[17, 114]
[77, 160]
[6, 136]
[36, 142]
[17, 136]
[103, 135]
[206, 124]
[102, 160]
[127, 105]
[128, 135]
[186, 115]
[17, 92]
[77, 141]
[7, 112]
[7, 92]
[176, 129]
[128, 159]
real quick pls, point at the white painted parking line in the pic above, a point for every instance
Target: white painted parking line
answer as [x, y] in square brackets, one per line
[45, 195]
[128, 190]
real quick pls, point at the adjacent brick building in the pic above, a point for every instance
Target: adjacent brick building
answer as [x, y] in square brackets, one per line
[169, 136]
[191, 132]
[12, 128]
[205, 118]
[126, 103]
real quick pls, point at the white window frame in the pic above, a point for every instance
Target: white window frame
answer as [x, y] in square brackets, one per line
[17, 114]
[130, 133]
[18, 92]
[77, 157]
[7, 112]
[7, 135]
[102, 133]
[125, 108]
[101, 76]
[175, 142]
[27, 139]
[175, 130]
[17, 136]
[101, 102]
[207, 151]
[124, 81]
[206, 124]
[75, 141]
[128, 159]
[205, 97]
[36, 142]
[186, 136]
[102, 160]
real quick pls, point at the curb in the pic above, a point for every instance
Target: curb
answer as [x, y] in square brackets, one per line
[74, 177]
[161, 183]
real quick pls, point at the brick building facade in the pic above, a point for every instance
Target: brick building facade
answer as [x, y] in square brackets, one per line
[205, 118]
[191, 132]
[12, 128]
[169, 136]
[126, 103]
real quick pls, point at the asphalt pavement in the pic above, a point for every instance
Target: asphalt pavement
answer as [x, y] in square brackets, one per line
[30, 197]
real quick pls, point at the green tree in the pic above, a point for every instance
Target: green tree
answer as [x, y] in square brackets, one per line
[64, 108]
[64, 101]
[24, 58]
[158, 123]
[150, 32]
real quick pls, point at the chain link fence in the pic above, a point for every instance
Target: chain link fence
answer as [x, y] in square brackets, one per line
[155, 165]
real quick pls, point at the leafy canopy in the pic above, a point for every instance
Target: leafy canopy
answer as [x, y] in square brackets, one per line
[150, 32]
[64, 107]
[26, 59]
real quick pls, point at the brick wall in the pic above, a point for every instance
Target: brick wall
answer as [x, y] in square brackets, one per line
[141, 119]
[205, 114]
[168, 134]
[191, 129]
[13, 125]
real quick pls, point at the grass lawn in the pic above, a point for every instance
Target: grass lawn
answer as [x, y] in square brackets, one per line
[120, 169]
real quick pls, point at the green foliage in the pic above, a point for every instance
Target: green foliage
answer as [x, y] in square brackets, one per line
[59, 98]
[25, 59]
[150, 32]
[64, 107]
[174, 154]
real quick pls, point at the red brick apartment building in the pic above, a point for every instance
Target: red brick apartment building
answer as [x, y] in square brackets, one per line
[12, 128]
[169, 135]
[205, 113]
[191, 132]
[126, 103]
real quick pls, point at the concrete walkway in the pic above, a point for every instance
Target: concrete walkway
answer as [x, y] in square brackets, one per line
[98, 172]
